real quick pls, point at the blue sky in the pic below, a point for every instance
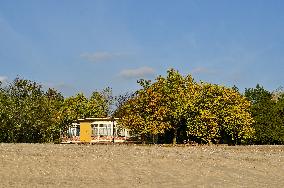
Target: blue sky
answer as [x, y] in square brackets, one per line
[86, 45]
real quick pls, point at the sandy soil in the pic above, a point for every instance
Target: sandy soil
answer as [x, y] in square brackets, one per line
[49, 165]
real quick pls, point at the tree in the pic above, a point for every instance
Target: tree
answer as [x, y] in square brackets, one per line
[143, 113]
[72, 109]
[78, 107]
[119, 101]
[278, 133]
[28, 113]
[178, 96]
[189, 110]
[54, 102]
[100, 103]
[220, 115]
[266, 111]
[277, 93]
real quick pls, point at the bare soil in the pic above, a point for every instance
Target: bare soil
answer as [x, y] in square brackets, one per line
[51, 165]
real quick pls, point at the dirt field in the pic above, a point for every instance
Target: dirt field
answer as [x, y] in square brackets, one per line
[48, 165]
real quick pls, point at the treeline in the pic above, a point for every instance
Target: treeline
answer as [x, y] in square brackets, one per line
[169, 109]
[30, 114]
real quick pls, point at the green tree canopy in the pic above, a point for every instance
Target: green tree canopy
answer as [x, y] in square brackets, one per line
[78, 107]
[28, 114]
[267, 112]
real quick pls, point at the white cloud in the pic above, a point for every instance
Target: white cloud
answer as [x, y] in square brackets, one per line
[100, 56]
[3, 78]
[137, 73]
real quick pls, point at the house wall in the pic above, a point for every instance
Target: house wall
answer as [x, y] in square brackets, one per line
[101, 129]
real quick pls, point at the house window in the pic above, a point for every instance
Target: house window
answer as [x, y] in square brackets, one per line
[95, 129]
[109, 133]
[102, 130]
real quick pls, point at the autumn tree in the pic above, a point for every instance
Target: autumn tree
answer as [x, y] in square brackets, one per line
[143, 114]
[178, 94]
[221, 115]
[161, 107]
[190, 110]
[119, 101]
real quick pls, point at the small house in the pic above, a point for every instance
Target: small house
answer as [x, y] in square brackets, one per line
[97, 130]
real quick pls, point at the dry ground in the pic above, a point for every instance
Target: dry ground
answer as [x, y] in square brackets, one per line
[49, 165]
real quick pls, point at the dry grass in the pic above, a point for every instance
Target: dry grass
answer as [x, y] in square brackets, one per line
[48, 165]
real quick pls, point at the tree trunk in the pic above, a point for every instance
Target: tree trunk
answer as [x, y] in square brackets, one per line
[143, 139]
[235, 139]
[175, 137]
[155, 138]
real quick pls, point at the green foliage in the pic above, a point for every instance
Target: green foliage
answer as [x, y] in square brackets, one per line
[100, 103]
[78, 107]
[73, 108]
[267, 111]
[28, 114]
[279, 122]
